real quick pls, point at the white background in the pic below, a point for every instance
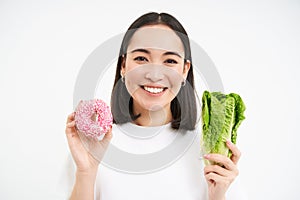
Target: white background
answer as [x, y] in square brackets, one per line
[255, 45]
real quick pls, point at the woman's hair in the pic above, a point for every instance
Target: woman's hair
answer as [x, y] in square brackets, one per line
[183, 106]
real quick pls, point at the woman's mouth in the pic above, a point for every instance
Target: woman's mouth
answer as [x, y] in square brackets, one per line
[154, 89]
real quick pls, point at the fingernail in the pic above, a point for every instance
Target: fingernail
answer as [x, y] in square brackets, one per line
[206, 156]
[229, 142]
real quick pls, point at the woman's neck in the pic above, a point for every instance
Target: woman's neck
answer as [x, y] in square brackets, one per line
[152, 118]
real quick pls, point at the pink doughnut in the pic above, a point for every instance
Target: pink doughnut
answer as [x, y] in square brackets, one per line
[93, 117]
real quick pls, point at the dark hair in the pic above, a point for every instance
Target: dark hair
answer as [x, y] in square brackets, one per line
[183, 106]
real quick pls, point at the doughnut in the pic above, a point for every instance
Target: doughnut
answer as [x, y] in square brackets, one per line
[93, 117]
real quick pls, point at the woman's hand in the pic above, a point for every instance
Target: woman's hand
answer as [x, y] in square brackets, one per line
[219, 178]
[85, 162]
[87, 165]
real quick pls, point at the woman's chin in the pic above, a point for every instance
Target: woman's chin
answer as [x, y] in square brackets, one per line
[153, 107]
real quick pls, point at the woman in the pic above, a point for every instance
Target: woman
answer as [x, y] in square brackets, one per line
[153, 87]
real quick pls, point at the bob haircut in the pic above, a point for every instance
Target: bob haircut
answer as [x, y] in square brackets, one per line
[183, 106]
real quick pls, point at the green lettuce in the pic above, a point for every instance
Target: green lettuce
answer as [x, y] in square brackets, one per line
[221, 116]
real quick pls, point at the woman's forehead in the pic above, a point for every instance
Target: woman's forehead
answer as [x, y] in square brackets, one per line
[156, 37]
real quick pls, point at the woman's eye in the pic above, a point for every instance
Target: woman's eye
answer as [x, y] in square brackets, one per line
[141, 58]
[171, 61]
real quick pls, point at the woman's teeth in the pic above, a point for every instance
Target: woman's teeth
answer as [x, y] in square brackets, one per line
[153, 90]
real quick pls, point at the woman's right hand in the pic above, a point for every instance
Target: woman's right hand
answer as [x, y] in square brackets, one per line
[85, 162]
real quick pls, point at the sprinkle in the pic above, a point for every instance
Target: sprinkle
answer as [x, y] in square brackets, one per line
[83, 117]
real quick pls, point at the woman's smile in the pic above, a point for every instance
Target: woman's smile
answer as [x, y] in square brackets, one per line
[154, 90]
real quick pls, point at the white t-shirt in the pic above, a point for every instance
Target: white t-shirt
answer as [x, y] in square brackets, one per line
[153, 163]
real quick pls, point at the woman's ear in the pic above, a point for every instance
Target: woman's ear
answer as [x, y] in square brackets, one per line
[123, 65]
[186, 68]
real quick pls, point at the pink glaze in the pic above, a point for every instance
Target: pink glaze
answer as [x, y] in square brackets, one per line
[89, 109]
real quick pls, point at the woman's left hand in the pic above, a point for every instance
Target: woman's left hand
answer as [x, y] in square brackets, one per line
[219, 178]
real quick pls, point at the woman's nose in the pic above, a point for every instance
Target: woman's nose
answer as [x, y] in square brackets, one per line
[155, 74]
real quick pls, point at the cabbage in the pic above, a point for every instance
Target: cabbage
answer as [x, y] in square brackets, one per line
[221, 116]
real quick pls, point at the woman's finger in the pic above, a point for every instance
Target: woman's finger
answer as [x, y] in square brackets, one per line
[216, 169]
[213, 177]
[221, 159]
[107, 137]
[70, 117]
[71, 124]
[236, 154]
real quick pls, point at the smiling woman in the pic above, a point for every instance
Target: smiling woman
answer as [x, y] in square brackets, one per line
[153, 75]
[153, 104]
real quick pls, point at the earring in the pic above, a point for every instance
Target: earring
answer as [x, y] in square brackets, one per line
[183, 82]
[123, 79]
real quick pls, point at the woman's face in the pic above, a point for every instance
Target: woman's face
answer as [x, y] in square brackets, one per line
[154, 67]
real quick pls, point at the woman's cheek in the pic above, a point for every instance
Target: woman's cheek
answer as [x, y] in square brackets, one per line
[133, 79]
[175, 80]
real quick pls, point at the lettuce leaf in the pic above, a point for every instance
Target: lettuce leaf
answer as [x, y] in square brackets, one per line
[221, 116]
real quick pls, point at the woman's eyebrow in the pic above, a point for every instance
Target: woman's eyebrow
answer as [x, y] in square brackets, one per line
[140, 50]
[172, 53]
